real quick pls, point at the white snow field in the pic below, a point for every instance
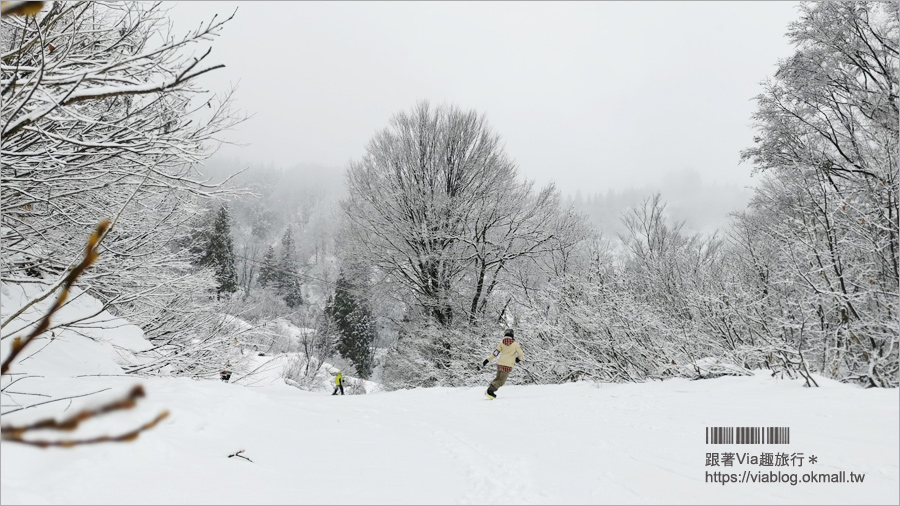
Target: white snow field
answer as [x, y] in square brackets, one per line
[577, 443]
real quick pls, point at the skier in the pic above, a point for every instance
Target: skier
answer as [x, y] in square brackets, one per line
[507, 350]
[338, 384]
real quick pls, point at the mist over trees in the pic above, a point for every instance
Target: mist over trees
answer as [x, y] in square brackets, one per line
[703, 207]
[406, 267]
[452, 244]
[804, 280]
[285, 230]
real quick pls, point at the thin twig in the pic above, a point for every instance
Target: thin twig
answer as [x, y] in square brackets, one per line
[13, 382]
[40, 350]
[54, 400]
[25, 393]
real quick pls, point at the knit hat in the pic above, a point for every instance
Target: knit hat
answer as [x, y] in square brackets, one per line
[508, 333]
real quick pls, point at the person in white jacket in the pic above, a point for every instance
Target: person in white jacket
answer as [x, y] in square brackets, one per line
[508, 354]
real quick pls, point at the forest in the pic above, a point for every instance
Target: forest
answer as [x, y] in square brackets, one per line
[406, 265]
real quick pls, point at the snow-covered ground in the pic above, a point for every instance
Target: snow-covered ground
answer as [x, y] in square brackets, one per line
[573, 443]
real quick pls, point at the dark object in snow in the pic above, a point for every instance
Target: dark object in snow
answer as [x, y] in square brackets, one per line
[225, 375]
[261, 354]
[238, 454]
[490, 394]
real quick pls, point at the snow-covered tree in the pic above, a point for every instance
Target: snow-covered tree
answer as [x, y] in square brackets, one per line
[102, 117]
[287, 274]
[439, 208]
[268, 271]
[354, 323]
[828, 209]
[215, 249]
[439, 212]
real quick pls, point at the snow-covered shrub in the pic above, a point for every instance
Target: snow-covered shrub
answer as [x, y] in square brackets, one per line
[440, 356]
[196, 337]
[303, 372]
[355, 386]
[714, 367]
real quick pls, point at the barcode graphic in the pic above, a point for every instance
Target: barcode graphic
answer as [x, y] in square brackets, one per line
[748, 435]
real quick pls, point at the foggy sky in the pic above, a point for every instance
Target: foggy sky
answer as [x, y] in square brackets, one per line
[591, 95]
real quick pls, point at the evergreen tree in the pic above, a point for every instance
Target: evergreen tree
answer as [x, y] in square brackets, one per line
[197, 241]
[286, 276]
[293, 295]
[355, 325]
[268, 273]
[262, 219]
[213, 247]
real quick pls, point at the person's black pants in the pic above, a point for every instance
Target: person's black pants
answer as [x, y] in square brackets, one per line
[341, 387]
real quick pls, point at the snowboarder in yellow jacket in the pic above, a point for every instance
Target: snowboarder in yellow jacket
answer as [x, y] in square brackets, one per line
[508, 353]
[338, 384]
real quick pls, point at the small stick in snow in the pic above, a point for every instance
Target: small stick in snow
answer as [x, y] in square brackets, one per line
[238, 454]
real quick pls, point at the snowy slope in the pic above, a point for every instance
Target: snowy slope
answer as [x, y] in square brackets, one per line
[99, 343]
[573, 443]
[268, 370]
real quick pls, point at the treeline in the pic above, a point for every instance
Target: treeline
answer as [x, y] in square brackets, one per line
[457, 245]
[410, 267]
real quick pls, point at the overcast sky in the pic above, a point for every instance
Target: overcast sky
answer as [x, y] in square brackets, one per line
[591, 95]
